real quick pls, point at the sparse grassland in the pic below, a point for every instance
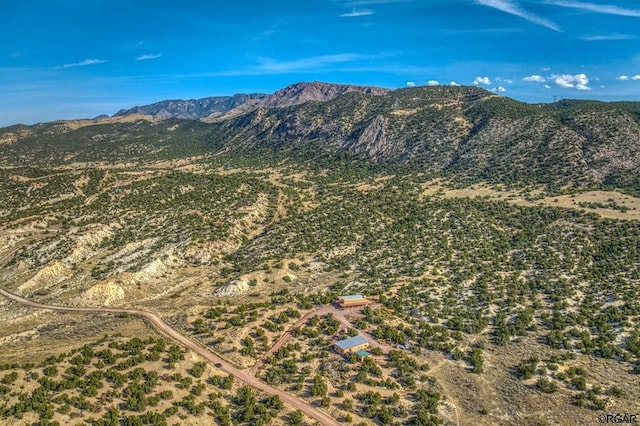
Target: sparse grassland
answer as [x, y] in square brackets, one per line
[479, 291]
[135, 381]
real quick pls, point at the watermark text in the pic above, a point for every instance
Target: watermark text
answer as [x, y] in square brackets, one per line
[618, 418]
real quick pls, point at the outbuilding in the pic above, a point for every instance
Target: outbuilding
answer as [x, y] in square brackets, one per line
[362, 354]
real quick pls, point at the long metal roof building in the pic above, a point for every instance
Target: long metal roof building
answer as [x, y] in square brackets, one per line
[351, 342]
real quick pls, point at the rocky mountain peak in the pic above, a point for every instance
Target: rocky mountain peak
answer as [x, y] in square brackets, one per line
[300, 93]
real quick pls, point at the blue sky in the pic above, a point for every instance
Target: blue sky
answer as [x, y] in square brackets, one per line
[62, 59]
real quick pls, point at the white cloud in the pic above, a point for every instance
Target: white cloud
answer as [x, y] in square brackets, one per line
[148, 56]
[504, 80]
[499, 89]
[370, 2]
[453, 83]
[546, 86]
[623, 77]
[313, 64]
[482, 80]
[271, 66]
[357, 12]
[513, 8]
[568, 81]
[84, 63]
[597, 8]
[535, 78]
[608, 37]
[411, 84]
[636, 77]
[433, 83]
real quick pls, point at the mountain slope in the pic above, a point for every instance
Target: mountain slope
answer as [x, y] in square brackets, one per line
[465, 133]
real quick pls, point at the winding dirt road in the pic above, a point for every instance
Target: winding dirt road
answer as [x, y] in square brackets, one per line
[243, 376]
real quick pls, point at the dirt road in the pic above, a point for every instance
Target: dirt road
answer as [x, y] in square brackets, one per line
[243, 376]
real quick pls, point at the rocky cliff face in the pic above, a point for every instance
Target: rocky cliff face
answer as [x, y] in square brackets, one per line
[372, 142]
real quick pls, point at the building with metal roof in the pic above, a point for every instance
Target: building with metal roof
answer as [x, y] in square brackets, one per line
[362, 354]
[351, 300]
[351, 345]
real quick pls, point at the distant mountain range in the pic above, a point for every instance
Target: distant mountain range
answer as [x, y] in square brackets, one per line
[464, 132]
[194, 109]
[219, 107]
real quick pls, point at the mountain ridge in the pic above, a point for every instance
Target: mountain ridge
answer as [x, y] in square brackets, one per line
[466, 133]
[216, 108]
